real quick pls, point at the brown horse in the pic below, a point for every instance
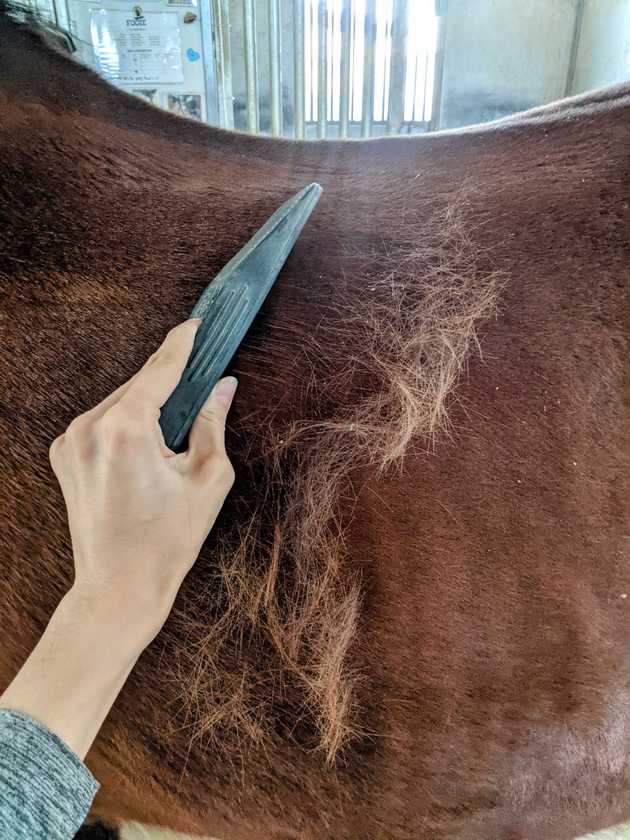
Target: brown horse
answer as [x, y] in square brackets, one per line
[412, 620]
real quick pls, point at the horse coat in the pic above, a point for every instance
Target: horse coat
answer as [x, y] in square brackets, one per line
[411, 620]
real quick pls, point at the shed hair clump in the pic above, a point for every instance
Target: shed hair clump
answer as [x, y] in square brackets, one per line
[272, 659]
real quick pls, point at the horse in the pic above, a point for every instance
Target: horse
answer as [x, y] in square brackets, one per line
[412, 617]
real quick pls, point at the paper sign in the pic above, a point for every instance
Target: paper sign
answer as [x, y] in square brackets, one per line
[137, 47]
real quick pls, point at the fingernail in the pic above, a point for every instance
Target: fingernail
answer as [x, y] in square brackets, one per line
[226, 388]
[195, 320]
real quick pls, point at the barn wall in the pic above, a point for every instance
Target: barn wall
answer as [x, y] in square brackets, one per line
[604, 50]
[238, 64]
[503, 56]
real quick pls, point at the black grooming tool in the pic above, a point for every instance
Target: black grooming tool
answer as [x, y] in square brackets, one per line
[228, 306]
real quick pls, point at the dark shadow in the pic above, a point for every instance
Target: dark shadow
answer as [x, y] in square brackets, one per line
[97, 831]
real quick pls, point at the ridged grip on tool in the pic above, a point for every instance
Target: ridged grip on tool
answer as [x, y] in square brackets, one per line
[211, 353]
[228, 306]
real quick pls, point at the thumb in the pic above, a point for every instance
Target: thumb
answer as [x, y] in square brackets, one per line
[207, 435]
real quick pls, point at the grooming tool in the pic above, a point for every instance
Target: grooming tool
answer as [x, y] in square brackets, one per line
[228, 306]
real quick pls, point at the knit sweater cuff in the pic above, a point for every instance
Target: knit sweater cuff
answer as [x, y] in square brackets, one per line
[45, 789]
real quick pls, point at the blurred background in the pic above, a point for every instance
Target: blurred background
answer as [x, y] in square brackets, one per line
[348, 68]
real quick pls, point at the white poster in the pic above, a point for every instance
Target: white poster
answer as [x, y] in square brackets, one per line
[137, 47]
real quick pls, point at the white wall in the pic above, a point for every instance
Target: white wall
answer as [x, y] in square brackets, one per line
[604, 50]
[503, 56]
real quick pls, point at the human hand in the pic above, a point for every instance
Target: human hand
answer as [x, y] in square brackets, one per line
[139, 513]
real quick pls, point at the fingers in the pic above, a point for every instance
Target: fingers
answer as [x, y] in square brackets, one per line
[100, 409]
[159, 374]
[111, 400]
[207, 435]
[156, 381]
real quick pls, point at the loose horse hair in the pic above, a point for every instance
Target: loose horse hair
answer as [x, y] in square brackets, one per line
[281, 571]
[410, 619]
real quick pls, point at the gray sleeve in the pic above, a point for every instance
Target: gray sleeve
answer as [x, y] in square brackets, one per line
[45, 789]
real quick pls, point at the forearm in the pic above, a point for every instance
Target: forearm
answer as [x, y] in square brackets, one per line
[124, 490]
[74, 674]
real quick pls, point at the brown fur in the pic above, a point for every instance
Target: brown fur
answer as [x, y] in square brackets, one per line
[403, 626]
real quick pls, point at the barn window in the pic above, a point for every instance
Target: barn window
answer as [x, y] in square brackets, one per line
[303, 68]
[377, 64]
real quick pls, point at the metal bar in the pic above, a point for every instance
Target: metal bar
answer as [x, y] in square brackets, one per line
[322, 67]
[63, 13]
[275, 67]
[441, 11]
[330, 84]
[415, 88]
[398, 67]
[575, 45]
[344, 84]
[312, 80]
[251, 71]
[207, 24]
[424, 91]
[386, 73]
[223, 62]
[55, 13]
[298, 68]
[367, 114]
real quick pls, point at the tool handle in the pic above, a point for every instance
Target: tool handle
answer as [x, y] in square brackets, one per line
[179, 411]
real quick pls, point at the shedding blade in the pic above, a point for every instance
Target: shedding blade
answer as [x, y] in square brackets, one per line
[228, 306]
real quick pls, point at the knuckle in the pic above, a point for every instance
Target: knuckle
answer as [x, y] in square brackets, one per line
[219, 470]
[165, 357]
[78, 438]
[209, 415]
[228, 475]
[118, 427]
[54, 450]
[78, 428]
